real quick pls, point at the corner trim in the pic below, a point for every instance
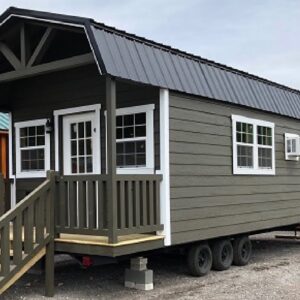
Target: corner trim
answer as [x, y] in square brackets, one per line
[165, 207]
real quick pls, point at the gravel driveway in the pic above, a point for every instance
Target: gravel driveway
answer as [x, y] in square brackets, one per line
[273, 273]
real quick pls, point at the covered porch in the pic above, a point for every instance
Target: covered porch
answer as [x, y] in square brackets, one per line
[106, 201]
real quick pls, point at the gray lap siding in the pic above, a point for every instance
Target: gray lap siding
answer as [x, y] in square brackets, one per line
[207, 200]
[38, 97]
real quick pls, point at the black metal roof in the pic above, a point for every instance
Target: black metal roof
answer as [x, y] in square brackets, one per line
[130, 57]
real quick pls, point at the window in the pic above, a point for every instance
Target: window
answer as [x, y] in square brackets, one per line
[292, 146]
[253, 146]
[32, 149]
[134, 134]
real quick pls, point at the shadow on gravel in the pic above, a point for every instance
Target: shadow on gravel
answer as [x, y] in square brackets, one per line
[71, 279]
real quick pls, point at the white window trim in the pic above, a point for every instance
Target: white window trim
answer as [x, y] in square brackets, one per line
[76, 110]
[255, 170]
[31, 174]
[287, 156]
[149, 110]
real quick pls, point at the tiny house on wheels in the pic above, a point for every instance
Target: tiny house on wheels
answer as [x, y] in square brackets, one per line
[119, 145]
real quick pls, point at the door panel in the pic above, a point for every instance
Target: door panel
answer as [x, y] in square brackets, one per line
[80, 144]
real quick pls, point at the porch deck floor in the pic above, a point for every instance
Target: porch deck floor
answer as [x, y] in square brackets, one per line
[103, 240]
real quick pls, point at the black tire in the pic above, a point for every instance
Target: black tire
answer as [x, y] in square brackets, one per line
[199, 259]
[222, 253]
[242, 251]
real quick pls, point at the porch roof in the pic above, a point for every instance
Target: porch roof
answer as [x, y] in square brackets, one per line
[130, 57]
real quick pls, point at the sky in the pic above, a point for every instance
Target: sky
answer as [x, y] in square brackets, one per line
[257, 36]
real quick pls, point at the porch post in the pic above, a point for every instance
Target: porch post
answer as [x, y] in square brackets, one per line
[111, 159]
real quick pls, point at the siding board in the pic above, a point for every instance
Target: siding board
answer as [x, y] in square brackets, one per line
[207, 200]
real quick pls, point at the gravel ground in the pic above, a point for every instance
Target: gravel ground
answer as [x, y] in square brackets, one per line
[273, 273]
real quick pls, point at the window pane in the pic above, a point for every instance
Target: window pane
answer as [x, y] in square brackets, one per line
[244, 133]
[73, 131]
[88, 129]
[81, 165]
[32, 131]
[31, 141]
[89, 164]
[130, 160]
[120, 148]
[24, 142]
[73, 148]
[131, 153]
[128, 132]
[128, 120]
[265, 158]
[40, 140]
[119, 133]
[140, 118]
[244, 156]
[141, 147]
[119, 121]
[88, 146]
[141, 160]
[74, 165]
[33, 160]
[40, 130]
[80, 130]
[264, 135]
[81, 147]
[130, 147]
[23, 132]
[140, 131]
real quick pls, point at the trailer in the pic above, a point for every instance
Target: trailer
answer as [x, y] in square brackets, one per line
[120, 145]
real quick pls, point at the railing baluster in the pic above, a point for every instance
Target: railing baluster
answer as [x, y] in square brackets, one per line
[17, 239]
[91, 204]
[5, 249]
[151, 203]
[122, 209]
[144, 203]
[157, 201]
[129, 204]
[81, 204]
[39, 220]
[137, 198]
[100, 204]
[28, 229]
[63, 220]
[73, 203]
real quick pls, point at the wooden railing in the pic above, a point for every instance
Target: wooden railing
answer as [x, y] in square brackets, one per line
[82, 204]
[27, 234]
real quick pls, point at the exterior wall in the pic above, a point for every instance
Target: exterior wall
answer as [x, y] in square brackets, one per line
[38, 97]
[207, 200]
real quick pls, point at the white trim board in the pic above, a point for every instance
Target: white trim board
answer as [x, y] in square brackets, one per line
[150, 153]
[255, 170]
[75, 110]
[32, 174]
[165, 208]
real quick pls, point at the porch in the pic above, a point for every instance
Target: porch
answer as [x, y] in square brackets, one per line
[89, 221]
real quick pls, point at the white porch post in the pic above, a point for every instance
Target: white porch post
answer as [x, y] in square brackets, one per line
[165, 164]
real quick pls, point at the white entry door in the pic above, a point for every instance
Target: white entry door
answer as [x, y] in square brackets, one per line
[81, 151]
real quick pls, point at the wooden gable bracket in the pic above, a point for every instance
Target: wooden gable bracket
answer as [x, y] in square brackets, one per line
[30, 64]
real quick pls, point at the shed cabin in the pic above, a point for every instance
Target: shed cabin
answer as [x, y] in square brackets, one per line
[120, 145]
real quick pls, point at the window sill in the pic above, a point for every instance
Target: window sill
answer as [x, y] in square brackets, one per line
[135, 171]
[42, 174]
[253, 172]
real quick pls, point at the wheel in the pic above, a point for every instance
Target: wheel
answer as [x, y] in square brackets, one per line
[199, 260]
[222, 253]
[242, 251]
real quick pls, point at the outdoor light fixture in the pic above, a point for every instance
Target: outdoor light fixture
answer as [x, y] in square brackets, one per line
[49, 125]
